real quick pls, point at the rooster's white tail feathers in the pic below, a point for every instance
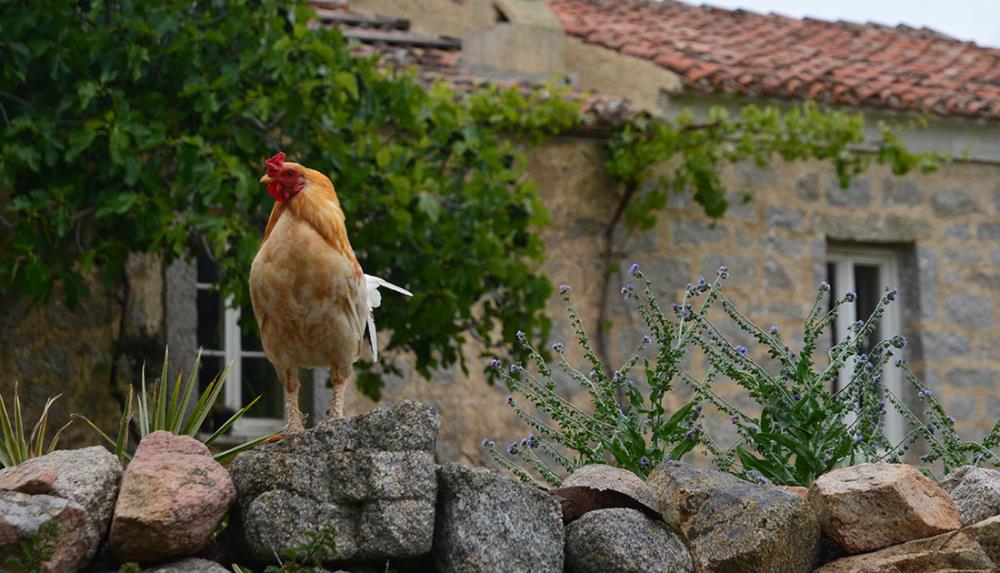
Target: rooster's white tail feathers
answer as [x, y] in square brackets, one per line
[372, 285]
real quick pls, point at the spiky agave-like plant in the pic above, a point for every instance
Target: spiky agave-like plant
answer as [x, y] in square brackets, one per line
[162, 406]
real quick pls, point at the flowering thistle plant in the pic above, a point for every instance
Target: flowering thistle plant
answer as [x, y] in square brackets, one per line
[805, 428]
[627, 425]
[938, 432]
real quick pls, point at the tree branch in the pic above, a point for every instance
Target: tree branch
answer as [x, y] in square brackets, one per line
[610, 268]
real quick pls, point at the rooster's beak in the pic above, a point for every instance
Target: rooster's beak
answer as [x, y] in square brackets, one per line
[265, 180]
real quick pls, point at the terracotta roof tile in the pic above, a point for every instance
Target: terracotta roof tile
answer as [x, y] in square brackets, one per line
[737, 51]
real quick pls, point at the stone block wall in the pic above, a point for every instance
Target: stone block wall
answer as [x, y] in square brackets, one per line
[944, 226]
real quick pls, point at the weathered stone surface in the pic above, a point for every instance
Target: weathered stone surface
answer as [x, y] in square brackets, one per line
[974, 549]
[961, 232]
[30, 479]
[487, 521]
[776, 275]
[172, 498]
[608, 478]
[191, 565]
[973, 377]
[953, 201]
[807, 188]
[688, 232]
[277, 520]
[370, 478]
[857, 194]
[395, 528]
[870, 506]
[969, 310]
[896, 191]
[23, 517]
[975, 491]
[989, 231]
[52, 349]
[798, 490]
[939, 346]
[87, 477]
[733, 525]
[784, 218]
[624, 540]
[987, 533]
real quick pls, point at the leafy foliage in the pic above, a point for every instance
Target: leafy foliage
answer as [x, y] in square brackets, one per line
[636, 435]
[18, 446]
[141, 127]
[696, 152]
[308, 556]
[169, 408]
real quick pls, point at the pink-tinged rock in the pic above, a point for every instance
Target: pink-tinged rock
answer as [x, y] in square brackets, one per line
[87, 477]
[798, 490]
[25, 518]
[974, 549]
[173, 496]
[599, 486]
[871, 506]
[30, 479]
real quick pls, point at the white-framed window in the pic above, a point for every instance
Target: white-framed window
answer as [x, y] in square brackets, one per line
[222, 340]
[868, 271]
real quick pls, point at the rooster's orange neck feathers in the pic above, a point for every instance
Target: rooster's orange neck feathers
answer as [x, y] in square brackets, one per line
[317, 204]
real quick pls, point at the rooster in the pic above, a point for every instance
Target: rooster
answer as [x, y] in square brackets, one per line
[310, 296]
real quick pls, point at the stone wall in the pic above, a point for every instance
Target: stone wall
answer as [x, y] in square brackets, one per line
[364, 494]
[944, 226]
[86, 353]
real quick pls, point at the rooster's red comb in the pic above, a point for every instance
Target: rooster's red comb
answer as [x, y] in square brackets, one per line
[274, 164]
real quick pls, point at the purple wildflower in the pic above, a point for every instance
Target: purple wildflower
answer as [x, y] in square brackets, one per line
[633, 269]
[742, 350]
[558, 347]
[563, 289]
[773, 330]
[495, 363]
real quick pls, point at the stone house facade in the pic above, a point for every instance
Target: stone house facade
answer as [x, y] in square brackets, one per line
[935, 236]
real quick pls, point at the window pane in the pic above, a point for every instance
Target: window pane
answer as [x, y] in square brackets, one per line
[831, 279]
[210, 319]
[249, 340]
[208, 271]
[866, 285]
[259, 379]
[210, 367]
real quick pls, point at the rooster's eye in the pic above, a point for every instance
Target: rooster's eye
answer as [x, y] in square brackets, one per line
[289, 173]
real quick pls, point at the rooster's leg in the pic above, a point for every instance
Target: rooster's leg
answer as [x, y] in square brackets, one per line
[337, 405]
[290, 379]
